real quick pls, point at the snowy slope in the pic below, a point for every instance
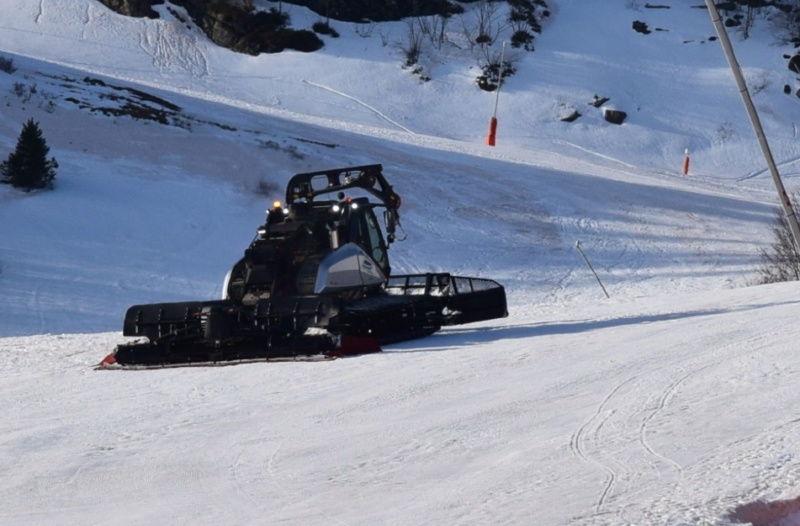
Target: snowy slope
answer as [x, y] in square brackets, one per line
[672, 402]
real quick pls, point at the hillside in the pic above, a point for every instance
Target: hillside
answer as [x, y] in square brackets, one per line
[671, 402]
[265, 118]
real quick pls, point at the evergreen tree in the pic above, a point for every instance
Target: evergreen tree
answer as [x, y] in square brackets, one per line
[27, 167]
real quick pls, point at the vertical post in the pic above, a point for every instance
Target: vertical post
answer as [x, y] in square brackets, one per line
[754, 120]
[686, 162]
[491, 138]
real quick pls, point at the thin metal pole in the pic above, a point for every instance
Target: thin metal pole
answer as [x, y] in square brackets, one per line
[500, 80]
[754, 120]
[578, 246]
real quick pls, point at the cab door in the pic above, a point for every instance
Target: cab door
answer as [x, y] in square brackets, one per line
[371, 239]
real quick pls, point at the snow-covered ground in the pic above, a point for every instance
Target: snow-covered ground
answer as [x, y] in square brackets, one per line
[671, 402]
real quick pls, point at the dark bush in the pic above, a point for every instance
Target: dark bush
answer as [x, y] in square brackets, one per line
[324, 28]
[7, 65]
[490, 79]
[301, 40]
[272, 19]
[522, 39]
[483, 39]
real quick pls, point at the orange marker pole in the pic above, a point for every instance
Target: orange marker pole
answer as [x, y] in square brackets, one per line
[686, 163]
[490, 139]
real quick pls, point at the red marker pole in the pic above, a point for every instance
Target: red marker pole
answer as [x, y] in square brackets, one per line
[686, 163]
[491, 138]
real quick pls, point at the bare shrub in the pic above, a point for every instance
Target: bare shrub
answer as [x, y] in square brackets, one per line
[384, 37]
[484, 25]
[364, 30]
[759, 82]
[786, 22]
[411, 47]
[781, 261]
[724, 132]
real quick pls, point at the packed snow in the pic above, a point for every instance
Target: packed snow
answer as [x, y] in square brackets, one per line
[673, 401]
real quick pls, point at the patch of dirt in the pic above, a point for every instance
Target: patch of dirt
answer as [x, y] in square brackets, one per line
[775, 513]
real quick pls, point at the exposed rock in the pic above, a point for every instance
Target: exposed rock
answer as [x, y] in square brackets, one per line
[137, 8]
[614, 116]
[733, 22]
[365, 10]
[571, 117]
[640, 27]
[599, 101]
[794, 64]
[231, 26]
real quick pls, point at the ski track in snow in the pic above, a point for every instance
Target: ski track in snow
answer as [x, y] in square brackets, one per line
[597, 154]
[239, 484]
[595, 425]
[361, 103]
[662, 403]
[764, 171]
[173, 50]
[593, 443]
[86, 23]
[39, 13]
